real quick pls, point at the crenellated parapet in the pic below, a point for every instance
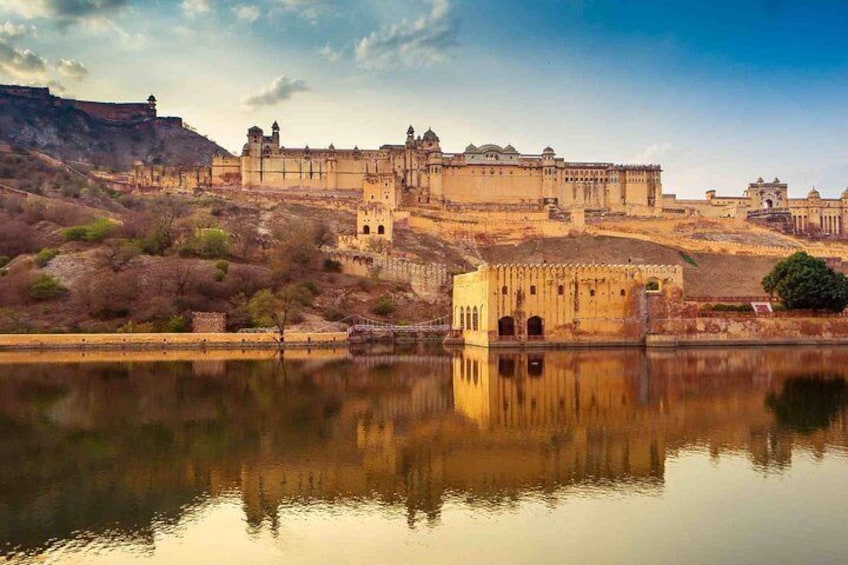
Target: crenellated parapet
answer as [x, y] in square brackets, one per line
[502, 304]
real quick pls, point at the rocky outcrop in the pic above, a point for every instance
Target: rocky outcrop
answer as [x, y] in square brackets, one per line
[111, 137]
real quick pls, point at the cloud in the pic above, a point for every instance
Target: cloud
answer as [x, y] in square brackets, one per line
[281, 88]
[193, 8]
[421, 42]
[185, 32]
[72, 69]
[309, 10]
[64, 11]
[330, 54]
[15, 31]
[247, 13]
[653, 153]
[20, 63]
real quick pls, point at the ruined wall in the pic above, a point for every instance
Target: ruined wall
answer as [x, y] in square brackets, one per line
[735, 328]
[208, 322]
[177, 178]
[428, 280]
[111, 112]
[226, 171]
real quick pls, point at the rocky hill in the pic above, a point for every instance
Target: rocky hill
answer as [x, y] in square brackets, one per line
[105, 135]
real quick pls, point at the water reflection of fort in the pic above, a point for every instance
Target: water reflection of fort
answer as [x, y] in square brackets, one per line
[110, 447]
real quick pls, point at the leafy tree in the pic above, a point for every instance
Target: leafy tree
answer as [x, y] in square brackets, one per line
[278, 309]
[803, 282]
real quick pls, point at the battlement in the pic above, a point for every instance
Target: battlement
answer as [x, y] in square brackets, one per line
[594, 268]
[118, 113]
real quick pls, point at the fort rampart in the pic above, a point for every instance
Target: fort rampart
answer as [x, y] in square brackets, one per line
[428, 280]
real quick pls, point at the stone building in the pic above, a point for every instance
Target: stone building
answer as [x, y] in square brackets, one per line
[769, 203]
[506, 305]
[484, 176]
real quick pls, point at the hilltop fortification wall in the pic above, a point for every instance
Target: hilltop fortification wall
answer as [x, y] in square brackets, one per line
[428, 280]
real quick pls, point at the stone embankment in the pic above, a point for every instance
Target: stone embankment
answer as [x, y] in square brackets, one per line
[169, 341]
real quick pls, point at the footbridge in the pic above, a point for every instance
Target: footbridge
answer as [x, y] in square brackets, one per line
[360, 326]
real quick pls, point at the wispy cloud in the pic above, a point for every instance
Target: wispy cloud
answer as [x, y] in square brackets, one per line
[20, 63]
[309, 10]
[72, 69]
[653, 153]
[247, 12]
[411, 43]
[329, 53]
[64, 11]
[192, 8]
[281, 88]
[10, 30]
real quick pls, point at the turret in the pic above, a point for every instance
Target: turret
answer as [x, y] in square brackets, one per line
[275, 135]
[151, 105]
[430, 141]
[410, 137]
[548, 174]
[254, 141]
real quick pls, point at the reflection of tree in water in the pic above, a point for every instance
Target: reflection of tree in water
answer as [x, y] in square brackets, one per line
[809, 403]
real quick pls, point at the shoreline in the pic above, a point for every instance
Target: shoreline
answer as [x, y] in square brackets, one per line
[266, 342]
[170, 341]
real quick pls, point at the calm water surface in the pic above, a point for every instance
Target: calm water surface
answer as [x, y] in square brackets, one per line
[696, 456]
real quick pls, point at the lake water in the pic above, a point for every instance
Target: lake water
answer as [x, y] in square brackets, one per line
[594, 456]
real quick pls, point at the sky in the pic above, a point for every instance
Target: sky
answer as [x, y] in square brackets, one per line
[718, 93]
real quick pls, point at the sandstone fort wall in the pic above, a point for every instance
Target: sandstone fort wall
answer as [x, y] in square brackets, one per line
[428, 280]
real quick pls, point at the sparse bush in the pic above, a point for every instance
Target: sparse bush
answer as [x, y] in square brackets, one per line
[222, 265]
[4, 260]
[118, 254]
[333, 314]
[209, 243]
[43, 257]
[177, 324]
[383, 306]
[310, 287]
[46, 287]
[742, 307]
[219, 275]
[93, 232]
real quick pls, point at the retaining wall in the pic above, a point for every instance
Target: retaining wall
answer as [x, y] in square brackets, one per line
[169, 341]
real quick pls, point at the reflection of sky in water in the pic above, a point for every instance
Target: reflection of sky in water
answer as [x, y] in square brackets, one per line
[623, 457]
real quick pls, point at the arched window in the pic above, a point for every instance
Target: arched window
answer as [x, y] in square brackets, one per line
[366, 229]
[560, 290]
[504, 291]
[474, 319]
[623, 293]
[535, 327]
[506, 326]
[461, 318]
[381, 230]
[653, 285]
[468, 318]
[532, 289]
[592, 292]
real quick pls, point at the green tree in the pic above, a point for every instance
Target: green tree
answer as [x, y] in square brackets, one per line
[803, 282]
[278, 309]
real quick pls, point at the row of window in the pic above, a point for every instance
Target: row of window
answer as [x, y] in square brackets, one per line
[560, 290]
[469, 318]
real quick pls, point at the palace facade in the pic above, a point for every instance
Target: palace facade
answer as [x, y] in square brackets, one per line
[484, 176]
[508, 305]
[769, 203]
